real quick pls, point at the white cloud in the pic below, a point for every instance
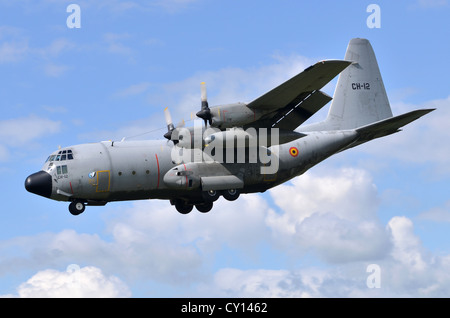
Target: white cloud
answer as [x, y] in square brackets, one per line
[173, 6]
[407, 246]
[19, 131]
[437, 214]
[13, 51]
[14, 46]
[408, 271]
[334, 215]
[149, 242]
[86, 282]
[231, 282]
[431, 3]
[56, 48]
[115, 45]
[422, 142]
[55, 70]
[341, 281]
[412, 271]
[133, 90]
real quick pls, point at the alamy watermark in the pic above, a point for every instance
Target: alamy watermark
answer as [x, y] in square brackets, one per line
[74, 271]
[234, 145]
[374, 19]
[374, 279]
[74, 19]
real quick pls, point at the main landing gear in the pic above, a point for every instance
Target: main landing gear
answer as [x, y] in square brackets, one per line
[209, 197]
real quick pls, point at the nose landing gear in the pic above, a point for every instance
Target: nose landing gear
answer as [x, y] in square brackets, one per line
[77, 207]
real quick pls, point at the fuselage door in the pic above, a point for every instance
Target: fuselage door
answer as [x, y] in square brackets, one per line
[103, 181]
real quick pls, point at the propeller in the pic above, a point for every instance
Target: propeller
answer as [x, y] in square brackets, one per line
[169, 123]
[170, 126]
[205, 112]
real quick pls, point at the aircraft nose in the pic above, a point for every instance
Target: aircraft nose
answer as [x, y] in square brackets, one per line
[39, 183]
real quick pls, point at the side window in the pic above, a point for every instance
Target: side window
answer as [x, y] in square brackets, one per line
[61, 169]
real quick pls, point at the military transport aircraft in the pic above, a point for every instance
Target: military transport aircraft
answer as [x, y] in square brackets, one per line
[240, 148]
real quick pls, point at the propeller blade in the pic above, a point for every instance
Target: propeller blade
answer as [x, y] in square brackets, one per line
[203, 95]
[168, 118]
[169, 123]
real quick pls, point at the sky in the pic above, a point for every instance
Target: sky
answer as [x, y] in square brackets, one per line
[373, 221]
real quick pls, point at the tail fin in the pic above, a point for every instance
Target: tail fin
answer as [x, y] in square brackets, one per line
[360, 97]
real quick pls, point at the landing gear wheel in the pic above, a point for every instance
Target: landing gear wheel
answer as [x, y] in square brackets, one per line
[205, 207]
[210, 195]
[76, 207]
[183, 207]
[231, 194]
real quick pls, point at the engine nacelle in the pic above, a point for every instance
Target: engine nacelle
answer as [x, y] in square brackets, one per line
[183, 176]
[232, 115]
[207, 176]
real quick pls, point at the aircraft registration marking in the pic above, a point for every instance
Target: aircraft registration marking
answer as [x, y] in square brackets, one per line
[359, 86]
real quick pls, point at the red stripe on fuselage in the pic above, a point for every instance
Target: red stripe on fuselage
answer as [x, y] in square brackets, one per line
[157, 163]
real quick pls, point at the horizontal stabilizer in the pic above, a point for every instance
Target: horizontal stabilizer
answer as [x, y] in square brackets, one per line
[388, 126]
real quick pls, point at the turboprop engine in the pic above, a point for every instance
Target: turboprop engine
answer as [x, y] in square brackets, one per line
[226, 116]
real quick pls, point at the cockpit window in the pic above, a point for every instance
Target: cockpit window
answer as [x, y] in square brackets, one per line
[61, 156]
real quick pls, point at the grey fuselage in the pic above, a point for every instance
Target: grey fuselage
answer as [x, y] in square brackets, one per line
[134, 170]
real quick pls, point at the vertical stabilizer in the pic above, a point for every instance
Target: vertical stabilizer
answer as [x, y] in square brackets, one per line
[360, 97]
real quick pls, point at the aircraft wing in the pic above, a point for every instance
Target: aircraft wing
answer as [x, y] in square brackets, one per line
[297, 99]
[295, 113]
[312, 78]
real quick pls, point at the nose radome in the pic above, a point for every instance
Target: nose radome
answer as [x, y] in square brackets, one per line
[39, 183]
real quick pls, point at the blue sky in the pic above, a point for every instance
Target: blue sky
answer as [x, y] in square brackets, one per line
[385, 203]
